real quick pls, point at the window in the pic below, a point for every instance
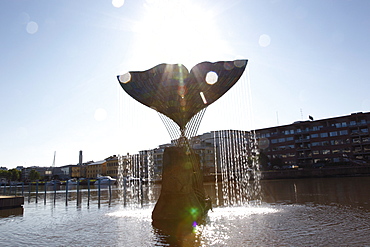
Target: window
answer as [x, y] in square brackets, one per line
[357, 150]
[325, 143]
[314, 135]
[343, 132]
[355, 131]
[352, 123]
[356, 140]
[325, 151]
[366, 139]
[274, 141]
[315, 152]
[338, 125]
[289, 138]
[281, 139]
[344, 124]
[366, 130]
[333, 133]
[324, 134]
[314, 144]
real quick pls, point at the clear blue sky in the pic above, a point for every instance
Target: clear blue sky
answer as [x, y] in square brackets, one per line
[59, 61]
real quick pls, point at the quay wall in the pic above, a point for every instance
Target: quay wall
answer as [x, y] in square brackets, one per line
[7, 202]
[307, 173]
[317, 172]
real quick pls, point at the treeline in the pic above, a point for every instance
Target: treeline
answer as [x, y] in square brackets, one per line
[11, 175]
[16, 175]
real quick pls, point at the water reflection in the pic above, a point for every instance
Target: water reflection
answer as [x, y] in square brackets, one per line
[351, 191]
[304, 212]
[11, 212]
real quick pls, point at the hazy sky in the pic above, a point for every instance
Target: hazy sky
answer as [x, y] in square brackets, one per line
[59, 61]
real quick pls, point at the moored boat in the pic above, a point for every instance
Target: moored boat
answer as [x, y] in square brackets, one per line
[105, 180]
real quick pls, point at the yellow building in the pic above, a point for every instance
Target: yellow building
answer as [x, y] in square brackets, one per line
[112, 166]
[96, 169]
[77, 171]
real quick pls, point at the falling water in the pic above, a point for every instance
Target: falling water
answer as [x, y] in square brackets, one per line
[135, 178]
[235, 151]
[236, 164]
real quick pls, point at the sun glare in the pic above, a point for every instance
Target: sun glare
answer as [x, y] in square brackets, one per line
[177, 32]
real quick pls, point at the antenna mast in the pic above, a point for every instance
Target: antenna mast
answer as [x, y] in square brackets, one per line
[53, 165]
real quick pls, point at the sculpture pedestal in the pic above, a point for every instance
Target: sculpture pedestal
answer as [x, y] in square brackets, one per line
[182, 200]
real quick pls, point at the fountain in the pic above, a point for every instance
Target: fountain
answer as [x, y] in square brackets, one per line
[181, 98]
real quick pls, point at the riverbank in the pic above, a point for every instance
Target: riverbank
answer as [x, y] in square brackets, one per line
[345, 171]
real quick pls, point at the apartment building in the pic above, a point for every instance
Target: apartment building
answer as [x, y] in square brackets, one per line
[96, 169]
[112, 166]
[314, 143]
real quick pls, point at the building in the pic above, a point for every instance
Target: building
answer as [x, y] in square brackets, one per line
[46, 173]
[96, 169]
[340, 140]
[79, 171]
[112, 166]
[62, 172]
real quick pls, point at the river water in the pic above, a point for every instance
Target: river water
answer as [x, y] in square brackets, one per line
[302, 212]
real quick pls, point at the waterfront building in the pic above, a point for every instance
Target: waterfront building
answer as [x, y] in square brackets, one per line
[46, 173]
[96, 169]
[203, 145]
[62, 172]
[342, 140]
[112, 166]
[79, 171]
[224, 148]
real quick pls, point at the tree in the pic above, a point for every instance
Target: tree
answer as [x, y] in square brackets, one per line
[15, 174]
[34, 175]
[5, 174]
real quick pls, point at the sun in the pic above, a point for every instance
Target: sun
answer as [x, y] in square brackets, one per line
[178, 31]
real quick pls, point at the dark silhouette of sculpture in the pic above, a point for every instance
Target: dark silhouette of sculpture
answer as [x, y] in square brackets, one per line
[182, 97]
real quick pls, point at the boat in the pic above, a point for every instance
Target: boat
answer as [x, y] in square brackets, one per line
[52, 182]
[105, 180]
[72, 181]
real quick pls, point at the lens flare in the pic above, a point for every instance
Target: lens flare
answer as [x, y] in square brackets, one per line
[32, 27]
[264, 40]
[211, 77]
[203, 97]
[125, 78]
[118, 3]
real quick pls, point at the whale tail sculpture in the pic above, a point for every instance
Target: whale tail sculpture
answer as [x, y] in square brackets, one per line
[181, 97]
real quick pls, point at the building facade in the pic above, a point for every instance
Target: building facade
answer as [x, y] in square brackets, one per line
[338, 140]
[96, 169]
[112, 166]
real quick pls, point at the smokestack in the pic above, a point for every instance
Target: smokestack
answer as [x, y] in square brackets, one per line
[80, 158]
